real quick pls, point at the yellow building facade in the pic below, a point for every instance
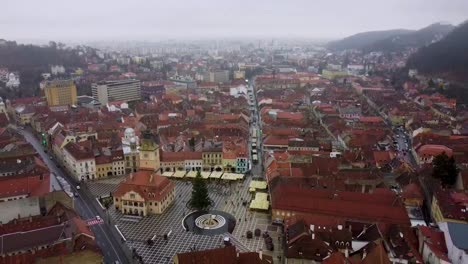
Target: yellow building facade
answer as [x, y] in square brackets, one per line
[60, 92]
[144, 193]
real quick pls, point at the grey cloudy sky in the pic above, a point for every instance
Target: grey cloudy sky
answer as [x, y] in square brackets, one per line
[155, 19]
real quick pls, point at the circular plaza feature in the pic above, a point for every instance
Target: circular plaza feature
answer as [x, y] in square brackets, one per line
[209, 222]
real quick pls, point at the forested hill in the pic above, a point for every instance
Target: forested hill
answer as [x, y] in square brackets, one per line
[362, 40]
[31, 61]
[416, 39]
[448, 56]
[18, 57]
[393, 40]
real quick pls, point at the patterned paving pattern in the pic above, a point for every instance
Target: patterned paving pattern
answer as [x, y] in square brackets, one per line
[101, 188]
[226, 197]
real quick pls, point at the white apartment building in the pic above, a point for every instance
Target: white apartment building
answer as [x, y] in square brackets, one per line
[111, 91]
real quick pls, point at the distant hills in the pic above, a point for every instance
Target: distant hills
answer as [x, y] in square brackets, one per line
[393, 40]
[361, 40]
[448, 56]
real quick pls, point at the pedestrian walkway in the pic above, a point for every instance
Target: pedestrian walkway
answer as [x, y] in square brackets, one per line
[94, 222]
[98, 188]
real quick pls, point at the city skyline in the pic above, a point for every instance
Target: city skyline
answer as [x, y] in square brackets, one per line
[118, 20]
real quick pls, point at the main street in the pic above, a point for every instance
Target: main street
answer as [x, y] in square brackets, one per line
[256, 169]
[85, 206]
[403, 146]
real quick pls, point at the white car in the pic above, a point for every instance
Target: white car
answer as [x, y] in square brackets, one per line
[98, 217]
[78, 187]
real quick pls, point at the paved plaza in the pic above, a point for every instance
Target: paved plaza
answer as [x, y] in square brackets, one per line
[105, 186]
[226, 197]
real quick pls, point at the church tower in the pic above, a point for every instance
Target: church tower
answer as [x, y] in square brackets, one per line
[149, 152]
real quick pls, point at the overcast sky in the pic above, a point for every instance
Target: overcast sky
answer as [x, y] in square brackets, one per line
[63, 20]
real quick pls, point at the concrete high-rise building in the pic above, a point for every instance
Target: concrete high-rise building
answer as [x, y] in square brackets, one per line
[111, 91]
[219, 76]
[60, 92]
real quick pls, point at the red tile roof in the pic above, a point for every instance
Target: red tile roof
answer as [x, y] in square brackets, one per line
[227, 255]
[276, 141]
[434, 150]
[148, 184]
[383, 157]
[435, 239]
[29, 185]
[79, 151]
[60, 224]
[371, 119]
[350, 205]
[452, 204]
[378, 255]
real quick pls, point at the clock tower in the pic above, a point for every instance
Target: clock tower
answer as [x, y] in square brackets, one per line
[149, 152]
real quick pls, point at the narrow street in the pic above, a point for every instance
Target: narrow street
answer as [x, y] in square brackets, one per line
[404, 147]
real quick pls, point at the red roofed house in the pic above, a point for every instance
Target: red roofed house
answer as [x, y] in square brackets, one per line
[56, 237]
[427, 152]
[30, 178]
[432, 245]
[79, 160]
[143, 193]
[382, 158]
[412, 195]
[450, 206]
[315, 244]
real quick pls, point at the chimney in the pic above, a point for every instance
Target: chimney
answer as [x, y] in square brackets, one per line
[364, 254]
[313, 236]
[151, 178]
[131, 176]
[346, 252]
[312, 228]
[350, 229]
[260, 254]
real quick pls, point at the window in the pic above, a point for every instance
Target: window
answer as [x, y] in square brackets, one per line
[132, 196]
